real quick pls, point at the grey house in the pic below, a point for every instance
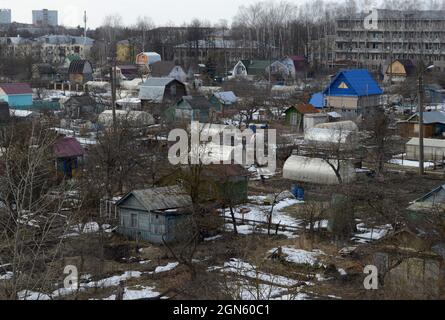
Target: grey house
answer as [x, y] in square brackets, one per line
[152, 214]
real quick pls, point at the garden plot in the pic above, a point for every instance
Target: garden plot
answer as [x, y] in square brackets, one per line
[131, 293]
[246, 282]
[256, 210]
[366, 235]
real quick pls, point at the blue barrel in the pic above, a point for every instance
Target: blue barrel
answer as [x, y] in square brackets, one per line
[253, 128]
[294, 190]
[300, 193]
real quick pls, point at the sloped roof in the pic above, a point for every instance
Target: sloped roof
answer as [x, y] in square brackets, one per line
[157, 82]
[317, 100]
[306, 108]
[408, 65]
[68, 147]
[431, 117]
[222, 170]
[16, 88]
[226, 97]
[355, 82]
[77, 66]
[197, 102]
[65, 39]
[153, 89]
[162, 68]
[161, 198]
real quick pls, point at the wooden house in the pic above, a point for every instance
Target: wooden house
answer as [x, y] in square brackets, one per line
[223, 101]
[353, 93]
[159, 90]
[295, 114]
[433, 125]
[154, 214]
[168, 69]
[227, 183]
[69, 153]
[399, 70]
[191, 108]
[43, 72]
[80, 71]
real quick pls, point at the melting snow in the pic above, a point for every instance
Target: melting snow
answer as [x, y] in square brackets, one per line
[168, 267]
[299, 256]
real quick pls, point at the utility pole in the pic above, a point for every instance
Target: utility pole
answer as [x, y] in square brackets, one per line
[421, 151]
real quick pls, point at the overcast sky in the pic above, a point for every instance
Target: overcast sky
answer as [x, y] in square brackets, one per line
[162, 12]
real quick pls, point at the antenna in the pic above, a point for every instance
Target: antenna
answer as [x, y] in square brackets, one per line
[85, 27]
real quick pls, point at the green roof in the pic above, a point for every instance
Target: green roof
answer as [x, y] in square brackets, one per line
[73, 57]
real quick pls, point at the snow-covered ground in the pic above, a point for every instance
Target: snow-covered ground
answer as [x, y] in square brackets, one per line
[258, 211]
[366, 235]
[300, 256]
[168, 267]
[248, 283]
[89, 227]
[137, 292]
[410, 163]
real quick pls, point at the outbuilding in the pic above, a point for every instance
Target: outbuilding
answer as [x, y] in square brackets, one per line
[433, 149]
[154, 214]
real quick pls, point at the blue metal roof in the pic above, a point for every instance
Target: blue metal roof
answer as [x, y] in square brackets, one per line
[317, 100]
[355, 82]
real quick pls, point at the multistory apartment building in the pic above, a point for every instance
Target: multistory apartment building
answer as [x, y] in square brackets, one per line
[5, 16]
[45, 18]
[51, 49]
[55, 48]
[392, 34]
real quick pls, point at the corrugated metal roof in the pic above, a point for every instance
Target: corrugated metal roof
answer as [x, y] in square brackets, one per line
[317, 100]
[226, 97]
[355, 82]
[430, 117]
[16, 88]
[306, 108]
[157, 82]
[77, 66]
[161, 198]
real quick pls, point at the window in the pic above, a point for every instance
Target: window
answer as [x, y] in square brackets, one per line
[173, 90]
[134, 220]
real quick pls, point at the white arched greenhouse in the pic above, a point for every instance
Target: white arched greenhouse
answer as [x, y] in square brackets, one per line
[316, 170]
[340, 125]
[328, 136]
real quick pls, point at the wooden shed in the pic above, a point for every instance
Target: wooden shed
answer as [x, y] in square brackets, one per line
[154, 214]
[295, 114]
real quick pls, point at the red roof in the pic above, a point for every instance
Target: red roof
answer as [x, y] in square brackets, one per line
[67, 147]
[306, 108]
[16, 88]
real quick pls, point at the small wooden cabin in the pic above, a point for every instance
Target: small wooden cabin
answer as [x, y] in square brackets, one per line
[154, 214]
